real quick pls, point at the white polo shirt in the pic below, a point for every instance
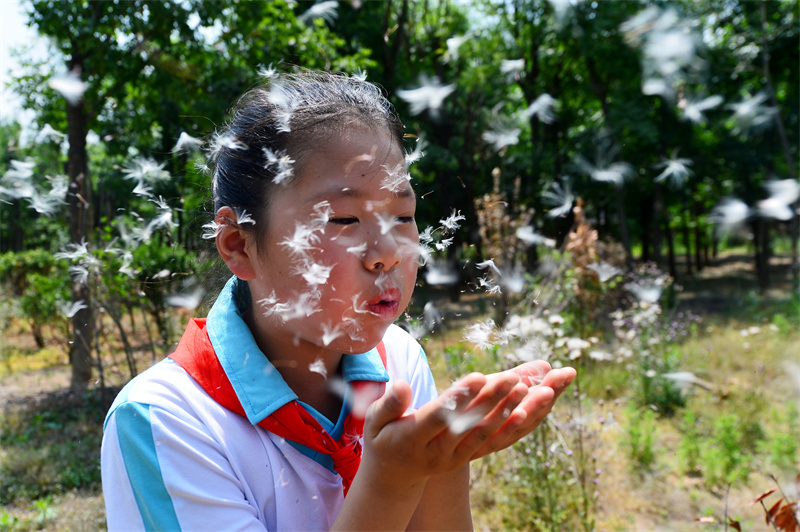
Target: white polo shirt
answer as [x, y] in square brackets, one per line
[174, 459]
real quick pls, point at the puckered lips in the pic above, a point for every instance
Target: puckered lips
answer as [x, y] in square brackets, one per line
[386, 304]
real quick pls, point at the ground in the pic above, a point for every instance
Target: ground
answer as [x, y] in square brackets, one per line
[626, 502]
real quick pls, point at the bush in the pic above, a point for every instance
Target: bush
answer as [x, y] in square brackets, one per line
[41, 286]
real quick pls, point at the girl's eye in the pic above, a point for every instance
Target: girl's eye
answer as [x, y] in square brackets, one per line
[405, 219]
[343, 221]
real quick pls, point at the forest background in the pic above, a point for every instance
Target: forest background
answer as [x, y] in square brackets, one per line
[582, 162]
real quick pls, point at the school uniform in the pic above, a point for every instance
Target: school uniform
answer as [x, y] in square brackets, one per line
[174, 458]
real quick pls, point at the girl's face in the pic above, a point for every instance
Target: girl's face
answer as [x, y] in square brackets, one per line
[339, 261]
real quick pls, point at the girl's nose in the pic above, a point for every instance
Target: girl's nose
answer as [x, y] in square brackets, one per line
[383, 254]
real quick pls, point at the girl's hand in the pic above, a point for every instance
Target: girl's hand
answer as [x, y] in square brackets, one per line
[441, 436]
[544, 386]
[474, 417]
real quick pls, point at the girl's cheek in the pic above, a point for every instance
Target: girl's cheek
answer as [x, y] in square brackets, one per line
[409, 251]
[346, 250]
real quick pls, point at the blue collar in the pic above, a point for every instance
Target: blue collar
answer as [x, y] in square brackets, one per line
[259, 386]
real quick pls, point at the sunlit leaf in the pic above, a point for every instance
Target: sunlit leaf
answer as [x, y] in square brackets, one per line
[764, 495]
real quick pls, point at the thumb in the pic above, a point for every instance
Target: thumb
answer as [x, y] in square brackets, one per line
[389, 407]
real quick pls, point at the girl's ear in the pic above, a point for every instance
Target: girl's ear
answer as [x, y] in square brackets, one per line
[232, 245]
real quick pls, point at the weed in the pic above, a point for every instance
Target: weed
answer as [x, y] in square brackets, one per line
[640, 436]
[782, 323]
[648, 342]
[689, 446]
[8, 522]
[724, 459]
[781, 447]
[44, 510]
[553, 471]
[782, 515]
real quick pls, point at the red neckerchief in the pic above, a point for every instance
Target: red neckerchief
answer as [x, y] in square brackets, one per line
[196, 356]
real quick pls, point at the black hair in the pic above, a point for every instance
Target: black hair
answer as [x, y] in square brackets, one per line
[274, 127]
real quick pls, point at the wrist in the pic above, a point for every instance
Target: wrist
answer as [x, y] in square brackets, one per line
[390, 480]
[376, 502]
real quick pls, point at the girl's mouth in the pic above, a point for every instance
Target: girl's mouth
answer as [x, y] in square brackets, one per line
[385, 304]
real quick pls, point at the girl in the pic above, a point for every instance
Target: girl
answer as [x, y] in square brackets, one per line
[257, 421]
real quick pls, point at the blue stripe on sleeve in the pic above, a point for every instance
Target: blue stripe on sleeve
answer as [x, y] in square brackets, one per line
[141, 461]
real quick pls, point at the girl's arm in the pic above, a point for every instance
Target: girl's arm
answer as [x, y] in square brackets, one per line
[402, 452]
[444, 504]
[474, 417]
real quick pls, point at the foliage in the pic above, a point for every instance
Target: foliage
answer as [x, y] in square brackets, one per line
[553, 470]
[689, 446]
[647, 340]
[44, 510]
[40, 287]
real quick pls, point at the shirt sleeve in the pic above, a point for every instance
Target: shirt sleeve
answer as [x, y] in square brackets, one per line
[407, 361]
[163, 471]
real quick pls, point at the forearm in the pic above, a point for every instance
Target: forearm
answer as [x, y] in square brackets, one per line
[374, 503]
[444, 504]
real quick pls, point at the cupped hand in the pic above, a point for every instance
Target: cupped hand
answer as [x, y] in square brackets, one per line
[438, 437]
[543, 386]
[476, 416]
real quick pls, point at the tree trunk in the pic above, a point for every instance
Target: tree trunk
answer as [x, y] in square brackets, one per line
[601, 90]
[389, 52]
[646, 221]
[794, 227]
[80, 353]
[129, 355]
[698, 238]
[670, 250]
[38, 335]
[761, 242]
[16, 232]
[687, 243]
[656, 225]
[623, 227]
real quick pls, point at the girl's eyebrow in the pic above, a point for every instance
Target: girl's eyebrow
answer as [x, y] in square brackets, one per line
[355, 193]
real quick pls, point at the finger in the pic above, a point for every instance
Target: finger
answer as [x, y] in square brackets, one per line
[559, 379]
[492, 422]
[491, 395]
[432, 418]
[389, 407]
[536, 405]
[531, 411]
[532, 373]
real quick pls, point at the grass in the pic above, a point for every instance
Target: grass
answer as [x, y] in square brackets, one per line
[18, 351]
[50, 437]
[51, 446]
[50, 458]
